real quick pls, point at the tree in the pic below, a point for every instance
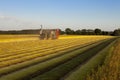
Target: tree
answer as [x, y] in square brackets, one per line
[104, 33]
[84, 31]
[69, 31]
[97, 31]
[62, 32]
[116, 32]
[90, 32]
[78, 32]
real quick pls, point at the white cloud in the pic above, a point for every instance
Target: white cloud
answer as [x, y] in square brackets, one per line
[13, 23]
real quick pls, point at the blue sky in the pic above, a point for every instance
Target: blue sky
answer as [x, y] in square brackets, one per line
[75, 14]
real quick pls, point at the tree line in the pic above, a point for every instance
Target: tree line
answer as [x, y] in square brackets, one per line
[28, 31]
[96, 31]
[67, 31]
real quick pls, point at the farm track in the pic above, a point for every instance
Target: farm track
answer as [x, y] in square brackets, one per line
[19, 66]
[59, 72]
[58, 64]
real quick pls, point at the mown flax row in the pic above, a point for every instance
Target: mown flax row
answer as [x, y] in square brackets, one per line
[111, 69]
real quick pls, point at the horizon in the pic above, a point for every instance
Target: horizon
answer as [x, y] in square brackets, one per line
[74, 14]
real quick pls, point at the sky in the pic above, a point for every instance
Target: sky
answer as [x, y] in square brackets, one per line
[75, 14]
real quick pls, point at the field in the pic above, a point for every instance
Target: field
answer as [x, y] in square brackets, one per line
[111, 68]
[25, 57]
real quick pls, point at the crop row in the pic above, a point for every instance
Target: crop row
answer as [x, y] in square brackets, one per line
[38, 60]
[39, 49]
[61, 70]
[27, 56]
[42, 67]
[27, 45]
[24, 56]
[21, 57]
[31, 46]
[81, 72]
[110, 70]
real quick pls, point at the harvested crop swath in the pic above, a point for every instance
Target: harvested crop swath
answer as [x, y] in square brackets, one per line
[81, 72]
[111, 68]
[21, 57]
[27, 56]
[59, 71]
[45, 66]
[25, 64]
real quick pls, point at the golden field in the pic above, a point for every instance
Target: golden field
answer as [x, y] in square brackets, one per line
[14, 49]
[29, 53]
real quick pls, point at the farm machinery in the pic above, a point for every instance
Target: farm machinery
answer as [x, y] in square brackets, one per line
[46, 34]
